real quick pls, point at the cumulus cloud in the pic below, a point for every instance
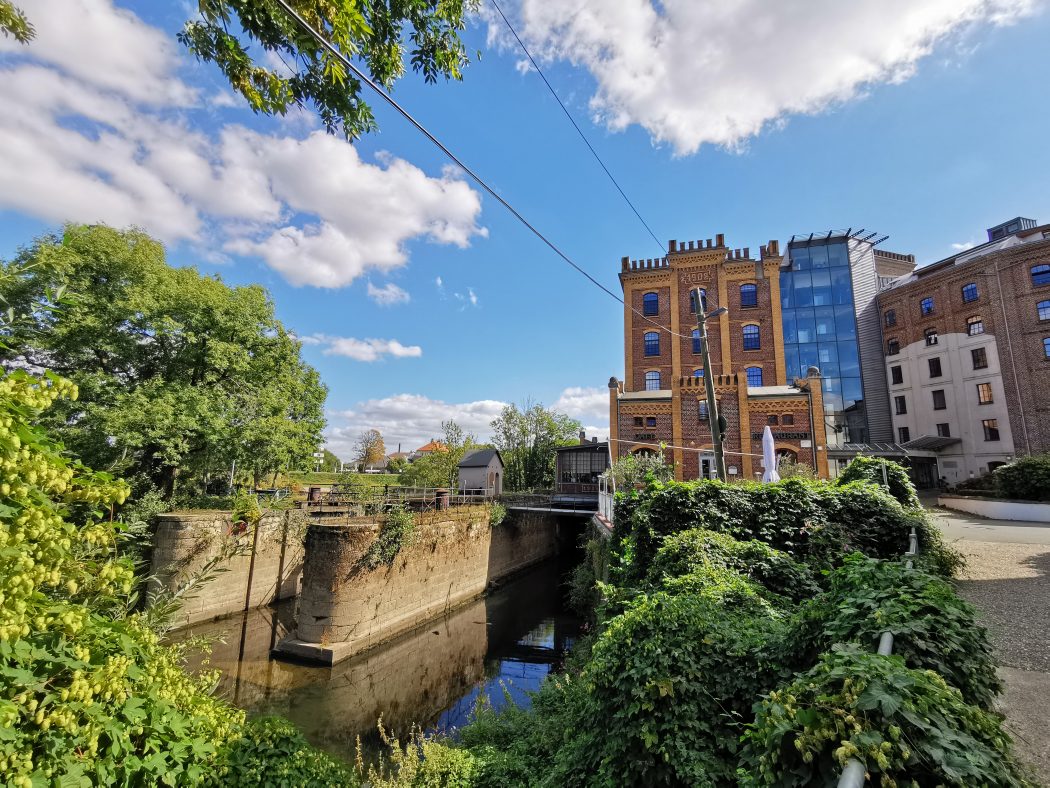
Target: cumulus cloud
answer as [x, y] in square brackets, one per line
[102, 134]
[703, 71]
[408, 419]
[587, 404]
[361, 349]
[962, 247]
[388, 295]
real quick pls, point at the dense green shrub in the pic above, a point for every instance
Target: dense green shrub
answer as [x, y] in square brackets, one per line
[584, 595]
[272, 753]
[907, 727]
[690, 551]
[1026, 478]
[891, 476]
[397, 531]
[932, 627]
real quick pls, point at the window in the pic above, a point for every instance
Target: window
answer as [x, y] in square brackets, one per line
[754, 376]
[652, 343]
[974, 325]
[652, 381]
[698, 373]
[939, 402]
[944, 430]
[788, 419]
[1043, 310]
[931, 336]
[650, 421]
[638, 421]
[984, 394]
[900, 405]
[752, 341]
[980, 358]
[903, 435]
[926, 306]
[1046, 346]
[896, 375]
[701, 409]
[748, 296]
[991, 429]
[893, 347]
[692, 301]
[696, 341]
[935, 367]
[773, 420]
[1040, 275]
[890, 318]
[650, 304]
[969, 292]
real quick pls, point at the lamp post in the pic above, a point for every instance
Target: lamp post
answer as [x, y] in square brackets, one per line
[714, 418]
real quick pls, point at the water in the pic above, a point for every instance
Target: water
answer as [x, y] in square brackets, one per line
[431, 677]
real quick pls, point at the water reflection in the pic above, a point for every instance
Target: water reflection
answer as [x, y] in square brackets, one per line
[431, 677]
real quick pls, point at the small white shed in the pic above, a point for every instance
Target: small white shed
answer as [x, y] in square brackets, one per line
[481, 471]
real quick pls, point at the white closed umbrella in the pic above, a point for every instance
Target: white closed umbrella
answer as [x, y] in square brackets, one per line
[769, 456]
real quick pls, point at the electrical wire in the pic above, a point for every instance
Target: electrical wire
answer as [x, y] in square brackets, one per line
[331, 48]
[572, 120]
[684, 448]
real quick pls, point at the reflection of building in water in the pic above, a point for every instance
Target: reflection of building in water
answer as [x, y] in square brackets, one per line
[577, 470]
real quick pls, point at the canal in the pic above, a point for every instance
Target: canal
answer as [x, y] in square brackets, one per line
[502, 644]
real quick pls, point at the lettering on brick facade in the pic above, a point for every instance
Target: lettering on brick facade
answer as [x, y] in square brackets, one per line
[645, 436]
[788, 436]
[696, 277]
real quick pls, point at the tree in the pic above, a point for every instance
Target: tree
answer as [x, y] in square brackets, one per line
[179, 374]
[13, 23]
[527, 438]
[369, 449]
[330, 463]
[441, 468]
[241, 37]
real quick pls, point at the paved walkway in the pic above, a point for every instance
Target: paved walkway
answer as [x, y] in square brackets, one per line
[1008, 578]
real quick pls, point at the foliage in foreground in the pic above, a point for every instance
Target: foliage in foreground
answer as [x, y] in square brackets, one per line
[908, 727]
[891, 476]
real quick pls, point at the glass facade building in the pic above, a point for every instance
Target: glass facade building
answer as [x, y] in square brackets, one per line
[820, 330]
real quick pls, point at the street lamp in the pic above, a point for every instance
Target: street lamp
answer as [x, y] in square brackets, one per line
[714, 418]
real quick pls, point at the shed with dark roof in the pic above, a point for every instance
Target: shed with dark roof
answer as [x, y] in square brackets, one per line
[481, 471]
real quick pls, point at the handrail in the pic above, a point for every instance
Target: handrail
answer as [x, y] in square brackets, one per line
[853, 772]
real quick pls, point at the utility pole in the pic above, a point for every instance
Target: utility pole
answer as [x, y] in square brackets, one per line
[714, 418]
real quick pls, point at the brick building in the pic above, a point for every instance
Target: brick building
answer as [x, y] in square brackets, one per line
[662, 398]
[967, 354]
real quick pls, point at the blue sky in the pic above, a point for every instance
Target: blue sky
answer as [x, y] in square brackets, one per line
[921, 119]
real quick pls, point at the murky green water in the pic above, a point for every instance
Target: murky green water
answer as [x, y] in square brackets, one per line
[431, 677]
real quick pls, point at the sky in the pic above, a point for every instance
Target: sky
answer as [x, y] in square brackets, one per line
[417, 296]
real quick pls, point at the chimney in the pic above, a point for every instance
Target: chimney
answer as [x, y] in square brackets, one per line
[583, 437]
[720, 239]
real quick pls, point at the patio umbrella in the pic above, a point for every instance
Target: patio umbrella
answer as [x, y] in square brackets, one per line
[769, 457]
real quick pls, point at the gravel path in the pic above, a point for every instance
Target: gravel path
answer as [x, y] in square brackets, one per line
[1007, 577]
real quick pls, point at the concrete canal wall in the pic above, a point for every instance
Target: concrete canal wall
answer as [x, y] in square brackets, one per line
[186, 541]
[345, 607]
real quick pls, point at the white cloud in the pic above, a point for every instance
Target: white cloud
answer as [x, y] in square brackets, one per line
[587, 404]
[102, 134]
[361, 349]
[470, 297]
[962, 247]
[704, 71]
[408, 419]
[388, 295]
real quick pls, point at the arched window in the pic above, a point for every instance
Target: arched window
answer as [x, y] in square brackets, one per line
[931, 336]
[754, 376]
[652, 343]
[701, 410]
[1043, 310]
[752, 341]
[1046, 346]
[692, 302]
[890, 318]
[652, 381]
[748, 295]
[926, 306]
[893, 347]
[698, 373]
[974, 325]
[1041, 275]
[696, 340]
[969, 292]
[650, 304]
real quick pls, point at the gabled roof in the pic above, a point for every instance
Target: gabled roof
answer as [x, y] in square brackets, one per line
[480, 458]
[434, 445]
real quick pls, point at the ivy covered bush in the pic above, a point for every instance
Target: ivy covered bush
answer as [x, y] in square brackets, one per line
[891, 476]
[1026, 478]
[907, 727]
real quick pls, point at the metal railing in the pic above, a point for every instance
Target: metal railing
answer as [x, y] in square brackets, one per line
[349, 501]
[853, 772]
[606, 498]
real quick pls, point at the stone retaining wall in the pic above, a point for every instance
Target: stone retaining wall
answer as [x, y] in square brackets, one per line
[346, 608]
[186, 541]
[998, 508]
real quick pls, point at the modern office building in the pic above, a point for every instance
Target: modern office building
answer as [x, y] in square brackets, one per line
[966, 342]
[662, 398]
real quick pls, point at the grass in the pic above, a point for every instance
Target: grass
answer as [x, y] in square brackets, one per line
[373, 479]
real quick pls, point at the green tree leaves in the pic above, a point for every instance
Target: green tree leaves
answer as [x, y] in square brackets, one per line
[526, 439]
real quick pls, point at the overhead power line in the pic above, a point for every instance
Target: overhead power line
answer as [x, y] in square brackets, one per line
[572, 120]
[327, 45]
